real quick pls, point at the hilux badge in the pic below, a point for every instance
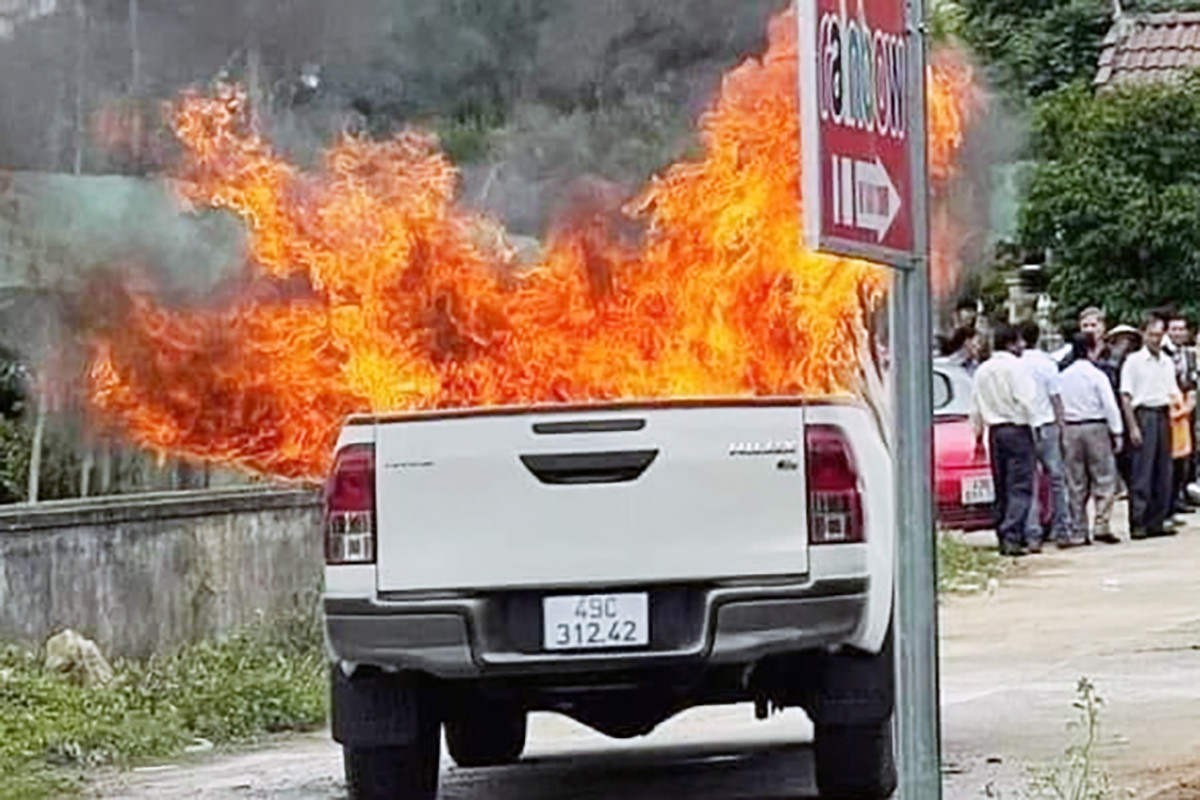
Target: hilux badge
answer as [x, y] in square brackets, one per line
[762, 448]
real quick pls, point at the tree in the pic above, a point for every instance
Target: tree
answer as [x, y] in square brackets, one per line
[1115, 199]
[1031, 47]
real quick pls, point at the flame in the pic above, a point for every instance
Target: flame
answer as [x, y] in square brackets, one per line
[954, 99]
[371, 290]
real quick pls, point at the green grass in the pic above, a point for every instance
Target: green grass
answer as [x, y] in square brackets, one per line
[963, 567]
[265, 679]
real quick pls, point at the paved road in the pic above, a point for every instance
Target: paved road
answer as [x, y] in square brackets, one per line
[1126, 616]
[716, 754]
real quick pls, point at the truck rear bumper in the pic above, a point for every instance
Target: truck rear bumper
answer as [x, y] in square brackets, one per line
[490, 635]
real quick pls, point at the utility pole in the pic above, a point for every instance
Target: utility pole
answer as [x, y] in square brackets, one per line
[917, 695]
[135, 49]
[846, 163]
[81, 25]
[135, 84]
[35, 457]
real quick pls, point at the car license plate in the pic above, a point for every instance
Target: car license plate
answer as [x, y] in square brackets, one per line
[596, 621]
[978, 490]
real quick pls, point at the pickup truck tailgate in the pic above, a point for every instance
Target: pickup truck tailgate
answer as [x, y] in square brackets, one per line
[596, 497]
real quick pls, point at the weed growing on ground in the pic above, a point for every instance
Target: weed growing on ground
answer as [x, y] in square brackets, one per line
[1077, 775]
[264, 679]
[963, 567]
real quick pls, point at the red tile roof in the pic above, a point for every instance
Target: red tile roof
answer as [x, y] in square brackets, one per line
[1150, 47]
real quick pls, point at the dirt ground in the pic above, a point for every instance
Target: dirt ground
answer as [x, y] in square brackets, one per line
[1126, 616]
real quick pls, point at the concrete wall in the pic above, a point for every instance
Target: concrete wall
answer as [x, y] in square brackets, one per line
[142, 573]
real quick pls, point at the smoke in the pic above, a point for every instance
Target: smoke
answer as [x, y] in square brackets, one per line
[59, 234]
[965, 204]
[548, 89]
[83, 142]
[89, 223]
[615, 92]
[529, 96]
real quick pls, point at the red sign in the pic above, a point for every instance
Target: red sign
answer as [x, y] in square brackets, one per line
[858, 146]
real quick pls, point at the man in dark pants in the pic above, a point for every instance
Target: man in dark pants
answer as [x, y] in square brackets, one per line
[1122, 341]
[1148, 388]
[1002, 406]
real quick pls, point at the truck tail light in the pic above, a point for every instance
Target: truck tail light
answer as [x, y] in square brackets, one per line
[350, 507]
[835, 512]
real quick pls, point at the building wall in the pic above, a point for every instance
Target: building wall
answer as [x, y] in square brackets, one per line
[145, 573]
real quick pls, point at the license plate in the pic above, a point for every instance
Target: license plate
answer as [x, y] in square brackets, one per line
[596, 621]
[978, 490]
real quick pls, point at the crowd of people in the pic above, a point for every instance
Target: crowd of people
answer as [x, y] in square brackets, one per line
[1112, 412]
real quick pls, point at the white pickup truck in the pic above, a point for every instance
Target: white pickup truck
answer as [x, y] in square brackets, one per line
[617, 564]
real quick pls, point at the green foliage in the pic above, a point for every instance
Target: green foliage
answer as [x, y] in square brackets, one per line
[1031, 47]
[963, 567]
[14, 448]
[1077, 776]
[1116, 197]
[265, 679]
[60, 462]
[14, 460]
[462, 59]
[12, 389]
[625, 141]
[947, 19]
[464, 141]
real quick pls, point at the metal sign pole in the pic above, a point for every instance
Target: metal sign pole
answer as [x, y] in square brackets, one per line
[918, 751]
[866, 195]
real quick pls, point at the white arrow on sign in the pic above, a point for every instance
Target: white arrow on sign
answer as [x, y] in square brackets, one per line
[876, 201]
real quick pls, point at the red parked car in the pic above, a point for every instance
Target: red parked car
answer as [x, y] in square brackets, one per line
[963, 483]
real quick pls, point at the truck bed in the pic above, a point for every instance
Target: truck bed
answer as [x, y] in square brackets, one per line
[602, 496]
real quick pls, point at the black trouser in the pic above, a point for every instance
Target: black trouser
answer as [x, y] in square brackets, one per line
[1013, 454]
[1182, 475]
[1185, 469]
[1125, 466]
[1153, 472]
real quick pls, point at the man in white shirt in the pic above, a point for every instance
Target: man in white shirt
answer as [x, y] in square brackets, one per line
[1002, 406]
[1047, 426]
[1148, 388]
[1092, 437]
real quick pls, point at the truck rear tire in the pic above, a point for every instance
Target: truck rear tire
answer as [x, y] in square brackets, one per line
[391, 772]
[487, 735]
[855, 762]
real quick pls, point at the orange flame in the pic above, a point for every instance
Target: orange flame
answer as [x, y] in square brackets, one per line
[371, 290]
[955, 97]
